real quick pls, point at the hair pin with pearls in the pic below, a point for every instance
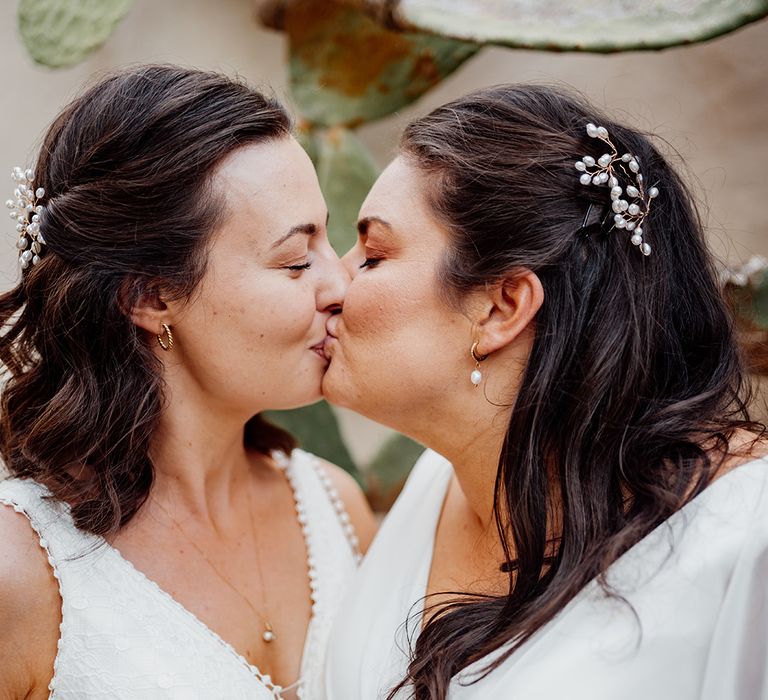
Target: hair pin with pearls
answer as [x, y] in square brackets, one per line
[26, 211]
[605, 171]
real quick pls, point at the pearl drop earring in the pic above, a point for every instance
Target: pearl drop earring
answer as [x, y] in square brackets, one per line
[477, 376]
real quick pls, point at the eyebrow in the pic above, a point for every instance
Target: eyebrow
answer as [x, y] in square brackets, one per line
[363, 224]
[307, 229]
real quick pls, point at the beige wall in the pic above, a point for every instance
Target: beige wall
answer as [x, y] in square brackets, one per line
[708, 101]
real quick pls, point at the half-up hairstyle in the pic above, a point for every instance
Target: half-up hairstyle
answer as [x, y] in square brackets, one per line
[634, 385]
[129, 209]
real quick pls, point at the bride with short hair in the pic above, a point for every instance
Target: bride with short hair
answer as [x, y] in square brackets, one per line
[160, 539]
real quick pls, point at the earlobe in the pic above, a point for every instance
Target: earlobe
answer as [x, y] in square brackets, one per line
[514, 304]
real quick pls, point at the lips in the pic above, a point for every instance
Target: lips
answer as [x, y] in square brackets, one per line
[332, 324]
[319, 348]
[331, 336]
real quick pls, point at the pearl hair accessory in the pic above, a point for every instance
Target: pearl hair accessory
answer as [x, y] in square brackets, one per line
[603, 171]
[31, 241]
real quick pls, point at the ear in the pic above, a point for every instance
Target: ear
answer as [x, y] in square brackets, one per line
[508, 309]
[145, 308]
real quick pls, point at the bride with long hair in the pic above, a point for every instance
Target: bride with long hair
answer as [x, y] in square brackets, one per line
[532, 298]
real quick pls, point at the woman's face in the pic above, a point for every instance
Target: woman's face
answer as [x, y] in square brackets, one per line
[251, 337]
[400, 353]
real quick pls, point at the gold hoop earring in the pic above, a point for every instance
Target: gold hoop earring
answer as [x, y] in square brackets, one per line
[167, 346]
[477, 376]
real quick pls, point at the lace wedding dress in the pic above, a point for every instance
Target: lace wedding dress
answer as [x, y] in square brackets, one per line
[123, 637]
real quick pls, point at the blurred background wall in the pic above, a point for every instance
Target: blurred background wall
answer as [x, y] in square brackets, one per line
[708, 101]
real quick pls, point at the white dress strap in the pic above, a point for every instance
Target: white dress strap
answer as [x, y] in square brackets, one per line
[51, 519]
[333, 556]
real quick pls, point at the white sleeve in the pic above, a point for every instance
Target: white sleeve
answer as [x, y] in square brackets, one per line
[737, 668]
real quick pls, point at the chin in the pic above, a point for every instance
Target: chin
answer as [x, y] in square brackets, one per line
[297, 399]
[332, 392]
[308, 400]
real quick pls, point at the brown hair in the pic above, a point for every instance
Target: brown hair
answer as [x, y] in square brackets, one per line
[129, 211]
[633, 377]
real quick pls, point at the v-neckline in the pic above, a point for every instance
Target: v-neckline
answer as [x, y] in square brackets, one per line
[424, 584]
[264, 679]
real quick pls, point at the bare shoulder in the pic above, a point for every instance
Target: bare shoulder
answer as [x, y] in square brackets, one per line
[355, 502]
[30, 610]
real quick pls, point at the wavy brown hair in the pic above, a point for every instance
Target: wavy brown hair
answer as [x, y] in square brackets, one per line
[634, 385]
[129, 210]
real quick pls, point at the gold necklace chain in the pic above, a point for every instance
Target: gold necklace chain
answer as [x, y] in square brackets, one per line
[268, 635]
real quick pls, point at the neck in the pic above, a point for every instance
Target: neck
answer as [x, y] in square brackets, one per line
[474, 451]
[468, 428]
[201, 462]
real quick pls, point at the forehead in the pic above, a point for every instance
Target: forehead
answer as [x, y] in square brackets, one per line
[399, 196]
[272, 186]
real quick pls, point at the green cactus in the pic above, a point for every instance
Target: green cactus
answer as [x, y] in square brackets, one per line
[317, 430]
[60, 33]
[389, 469]
[346, 171]
[572, 25]
[750, 300]
[346, 69]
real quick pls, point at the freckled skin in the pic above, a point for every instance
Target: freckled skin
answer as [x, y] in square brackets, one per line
[246, 337]
[402, 350]
[244, 343]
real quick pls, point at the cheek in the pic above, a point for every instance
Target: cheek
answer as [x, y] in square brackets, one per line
[391, 320]
[399, 349]
[243, 328]
[273, 319]
[375, 309]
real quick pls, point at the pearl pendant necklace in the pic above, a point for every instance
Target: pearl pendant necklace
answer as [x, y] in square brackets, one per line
[268, 635]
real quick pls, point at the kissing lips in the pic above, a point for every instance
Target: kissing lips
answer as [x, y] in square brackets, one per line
[319, 349]
[330, 339]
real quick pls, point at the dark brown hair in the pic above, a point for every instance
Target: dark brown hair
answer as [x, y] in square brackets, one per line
[129, 211]
[633, 385]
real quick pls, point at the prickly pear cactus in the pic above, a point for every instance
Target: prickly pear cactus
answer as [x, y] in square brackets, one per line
[573, 25]
[60, 33]
[388, 471]
[346, 69]
[317, 430]
[346, 172]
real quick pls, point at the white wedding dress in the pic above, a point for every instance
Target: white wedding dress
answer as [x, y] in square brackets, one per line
[698, 585]
[122, 637]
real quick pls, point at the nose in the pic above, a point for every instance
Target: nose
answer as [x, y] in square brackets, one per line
[332, 323]
[348, 260]
[334, 283]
